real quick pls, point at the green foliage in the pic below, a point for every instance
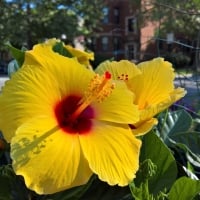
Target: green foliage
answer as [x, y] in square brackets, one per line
[179, 59]
[140, 190]
[184, 189]
[17, 54]
[5, 176]
[11, 186]
[18, 60]
[190, 139]
[158, 170]
[74, 193]
[25, 22]
[171, 123]
[175, 130]
[177, 16]
[169, 161]
[59, 48]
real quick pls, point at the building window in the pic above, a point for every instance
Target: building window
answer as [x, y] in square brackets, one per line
[116, 43]
[91, 43]
[104, 42]
[131, 50]
[131, 25]
[116, 16]
[105, 15]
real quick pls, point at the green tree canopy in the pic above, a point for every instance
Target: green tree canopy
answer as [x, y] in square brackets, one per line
[25, 22]
[177, 16]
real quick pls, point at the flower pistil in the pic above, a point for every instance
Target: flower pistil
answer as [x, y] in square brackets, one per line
[99, 89]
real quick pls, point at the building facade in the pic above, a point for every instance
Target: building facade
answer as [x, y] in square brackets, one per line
[119, 37]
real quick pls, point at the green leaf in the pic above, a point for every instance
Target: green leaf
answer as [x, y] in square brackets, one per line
[191, 157]
[176, 135]
[59, 48]
[184, 189]
[5, 186]
[146, 171]
[94, 189]
[141, 192]
[102, 191]
[173, 122]
[190, 139]
[73, 193]
[17, 54]
[154, 149]
[11, 185]
[189, 142]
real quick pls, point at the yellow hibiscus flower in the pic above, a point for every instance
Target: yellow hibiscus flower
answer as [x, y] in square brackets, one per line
[153, 86]
[65, 123]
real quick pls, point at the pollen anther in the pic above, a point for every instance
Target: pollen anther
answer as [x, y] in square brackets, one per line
[99, 88]
[123, 77]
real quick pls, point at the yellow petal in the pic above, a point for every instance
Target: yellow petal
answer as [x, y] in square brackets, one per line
[40, 52]
[48, 159]
[154, 92]
[177, 94]
[143, 127]
[82, 56]
[51, 42]
[122, 70]
[155, 83]
[118, 107]
[146, 122]
[154, 109]
[112, 153]
[34, 90]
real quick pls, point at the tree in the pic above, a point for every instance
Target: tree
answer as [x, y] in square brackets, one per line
[179, 16]
[181, 19]
[26, 22]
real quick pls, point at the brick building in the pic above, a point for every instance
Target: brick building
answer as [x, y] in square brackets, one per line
[119, 37]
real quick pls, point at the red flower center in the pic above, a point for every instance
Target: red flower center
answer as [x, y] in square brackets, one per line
[64, 113]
